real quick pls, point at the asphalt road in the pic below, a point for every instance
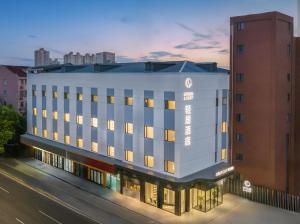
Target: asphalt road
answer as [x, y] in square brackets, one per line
[21, 205]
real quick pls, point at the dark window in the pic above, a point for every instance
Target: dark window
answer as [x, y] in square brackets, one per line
[239, 137]
[288, 97]
[289, 49]
[240, 26]
[241, 48]
[66, 95]
[240, 97]
[289, 77]
[44, 93]
[239, 156]
[239, 117]
[217, 102]
[240, 77]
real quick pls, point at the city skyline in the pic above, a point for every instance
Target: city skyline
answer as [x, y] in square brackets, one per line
[134, 30]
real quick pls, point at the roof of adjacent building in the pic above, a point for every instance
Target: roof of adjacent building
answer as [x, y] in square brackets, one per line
[133, 67]
[20, 71]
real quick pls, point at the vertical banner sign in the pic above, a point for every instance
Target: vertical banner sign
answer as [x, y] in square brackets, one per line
[187, 97]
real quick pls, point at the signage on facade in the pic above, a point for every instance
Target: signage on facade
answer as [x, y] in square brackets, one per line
[222, 172]
[247, 186]
[188, 96]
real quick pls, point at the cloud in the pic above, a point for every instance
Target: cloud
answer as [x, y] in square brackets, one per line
[223, 51]
[55, 51]
[197, 35]
[159, 55]
[9, 60]
[224, 31]
[32, 36]
[195, 46]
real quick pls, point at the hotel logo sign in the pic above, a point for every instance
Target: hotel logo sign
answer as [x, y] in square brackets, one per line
[188, 83]
[247, 186]
[225, 171]
[187, 97]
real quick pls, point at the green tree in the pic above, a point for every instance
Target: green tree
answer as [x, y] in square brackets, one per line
[12, 125]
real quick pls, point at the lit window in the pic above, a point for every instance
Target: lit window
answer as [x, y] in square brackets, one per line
[79, 119]
[223, 154]
[44, 93]
[149, 102]
[67, 139]
[34, 111]
[128, 101]
[169, 166]
[66, 95]
[224, 127]
[148, 132]
[79, 143]
[34, 130]
[149, 161]
[111, 151]
[128, 155]
[170, 135]
[79, 96]
[111, 125]
[170, 104]
[94, 98]
[55, 135]
[110, 99]
[45, 133]
[55, 115]
[55, 94]
[67, 117]
[94, 122]
[94, 147]
[128, 128]
[44, 113]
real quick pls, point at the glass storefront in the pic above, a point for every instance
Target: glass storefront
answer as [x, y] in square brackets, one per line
[113, 182]
[151, 194]
[131, 187]
[95, 176]
[169, 200]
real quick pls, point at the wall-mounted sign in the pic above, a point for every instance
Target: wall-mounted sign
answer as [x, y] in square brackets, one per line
[222, 172]
[247, 186]
[188, 96]
[188, 83]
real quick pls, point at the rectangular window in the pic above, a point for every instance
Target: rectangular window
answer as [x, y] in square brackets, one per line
[241, 48]
[239, 117]
[111, 125]
[289, 77]
[67, 117]
[94, 98]
[289, 49]
[128, 128]
[128, 101]
[239, 156]
[170, 104]
[44, 113]
[79, 142]
[224, 127]
[149, 161]
[128, 155]
[34, 111]
[55, 135]
[94, 122]
[240, 26]
[67, 139]
[169, 166]
[34, 130]
[44, 93]
[55, 115]
[33, 92]
[240, 77]
[111, 151]
[170, 135]
[224, 100]
[79, 97]
[239, 137]
[55, 94]
[5, 82]
[94, 147]
[223, 154]
[240, 97]
[110, 99]
[66, 95]
[148, 132]
[79, 119]
[44, 133]
[149, 103]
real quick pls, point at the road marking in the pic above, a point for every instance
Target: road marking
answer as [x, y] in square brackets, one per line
[49, 217]
[18, 220]
[6, 191]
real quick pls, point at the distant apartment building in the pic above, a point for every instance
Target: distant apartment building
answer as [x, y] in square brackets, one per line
[13, 87]
[42, 58]
[99, 58]
[262, 99]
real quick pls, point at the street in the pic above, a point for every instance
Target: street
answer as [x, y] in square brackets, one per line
[19, 204]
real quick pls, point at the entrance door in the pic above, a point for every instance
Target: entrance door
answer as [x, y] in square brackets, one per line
[151, 194]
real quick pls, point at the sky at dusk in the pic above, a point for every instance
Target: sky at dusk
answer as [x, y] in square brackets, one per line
[136, 30]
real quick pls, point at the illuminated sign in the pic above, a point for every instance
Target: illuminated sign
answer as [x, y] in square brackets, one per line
[188, 96]
[222, 172]
[247, 186]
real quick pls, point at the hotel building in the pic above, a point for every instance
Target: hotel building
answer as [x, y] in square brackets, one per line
[155, 131]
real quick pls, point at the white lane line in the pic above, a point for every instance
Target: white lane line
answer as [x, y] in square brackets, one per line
[49, 217]
[18, 220]
[6, 191]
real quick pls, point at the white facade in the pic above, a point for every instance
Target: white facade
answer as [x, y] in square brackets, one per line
[206, 138]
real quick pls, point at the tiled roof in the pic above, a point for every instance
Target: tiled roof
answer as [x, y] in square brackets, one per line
[19, 70]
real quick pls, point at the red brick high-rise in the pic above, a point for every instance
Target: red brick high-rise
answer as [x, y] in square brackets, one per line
[262, 77]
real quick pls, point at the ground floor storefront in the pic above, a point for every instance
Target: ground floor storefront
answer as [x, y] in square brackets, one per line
[173, 197]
